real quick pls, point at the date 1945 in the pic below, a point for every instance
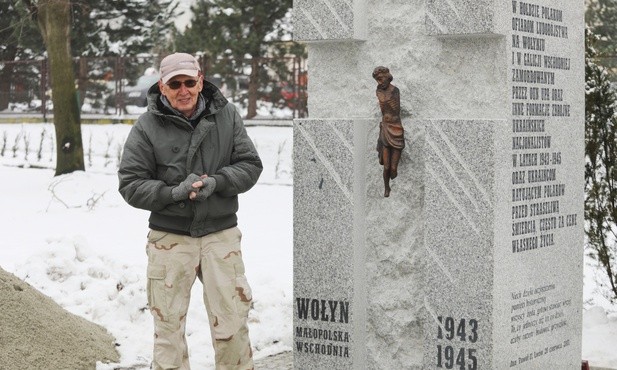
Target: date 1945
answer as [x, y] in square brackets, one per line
[461, 331]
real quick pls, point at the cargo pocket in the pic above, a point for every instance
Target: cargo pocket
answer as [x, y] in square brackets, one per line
[232, 314]
[157, 295]
[244, 295]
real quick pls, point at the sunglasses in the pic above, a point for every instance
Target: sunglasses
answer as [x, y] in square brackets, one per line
[175, 85]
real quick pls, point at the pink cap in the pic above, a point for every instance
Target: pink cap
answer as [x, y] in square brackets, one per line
[179, 64]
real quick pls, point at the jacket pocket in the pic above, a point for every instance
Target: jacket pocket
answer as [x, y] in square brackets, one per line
[180, 209]
[170, 174]
[161, 173]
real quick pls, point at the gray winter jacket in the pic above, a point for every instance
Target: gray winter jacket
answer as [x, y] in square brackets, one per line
[163, 148]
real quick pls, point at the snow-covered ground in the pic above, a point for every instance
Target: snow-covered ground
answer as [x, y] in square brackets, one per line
[75, 239]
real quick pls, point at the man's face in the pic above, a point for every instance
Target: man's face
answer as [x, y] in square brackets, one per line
[183, 99]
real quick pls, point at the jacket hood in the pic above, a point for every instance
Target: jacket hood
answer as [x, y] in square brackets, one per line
[214, 98]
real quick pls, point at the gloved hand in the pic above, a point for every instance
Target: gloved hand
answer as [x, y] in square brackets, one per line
[206, 190]
[183, 189]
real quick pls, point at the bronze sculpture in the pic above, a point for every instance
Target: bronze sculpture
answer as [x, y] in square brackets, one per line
[391, 139]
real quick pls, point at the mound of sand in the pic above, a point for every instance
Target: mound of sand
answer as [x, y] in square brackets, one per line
[36, 333]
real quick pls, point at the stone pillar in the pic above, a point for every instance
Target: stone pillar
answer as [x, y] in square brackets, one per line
[475, 259]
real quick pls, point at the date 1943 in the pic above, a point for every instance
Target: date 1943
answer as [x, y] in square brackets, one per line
[463, 331]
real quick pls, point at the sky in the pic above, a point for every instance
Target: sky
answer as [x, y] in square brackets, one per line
[75, 239]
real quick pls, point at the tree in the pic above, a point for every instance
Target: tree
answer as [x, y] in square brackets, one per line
[234, 29]
[99, 28]
[121, 28]
[601, 18]
[54, 21]
[124, 28]
[601, 170]
[21, 41]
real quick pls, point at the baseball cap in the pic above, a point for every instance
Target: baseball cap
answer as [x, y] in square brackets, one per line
[178, 64]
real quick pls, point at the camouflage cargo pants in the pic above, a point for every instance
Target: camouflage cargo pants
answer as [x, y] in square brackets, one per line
[173, 263]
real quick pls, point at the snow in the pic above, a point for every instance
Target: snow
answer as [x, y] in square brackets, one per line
[75, 239]
[184, 18]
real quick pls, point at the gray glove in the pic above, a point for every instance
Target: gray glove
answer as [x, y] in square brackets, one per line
[206, 190]
[183, 189]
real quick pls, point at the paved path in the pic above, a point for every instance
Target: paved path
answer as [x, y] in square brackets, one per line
[282, 361]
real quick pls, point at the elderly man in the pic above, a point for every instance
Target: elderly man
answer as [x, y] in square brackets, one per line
[186, 160]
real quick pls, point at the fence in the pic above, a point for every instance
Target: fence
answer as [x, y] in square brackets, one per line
[118, 85]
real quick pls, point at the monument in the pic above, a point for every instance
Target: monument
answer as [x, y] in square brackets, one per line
[475, 259]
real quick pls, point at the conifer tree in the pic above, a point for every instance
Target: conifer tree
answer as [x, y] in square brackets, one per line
[231, 30]
[21, 41]
[76, 29]
[601, 170]
[123, 27]
[99, 28]
[601, 17]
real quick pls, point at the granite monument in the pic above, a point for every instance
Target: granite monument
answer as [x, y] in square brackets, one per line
[475, 259]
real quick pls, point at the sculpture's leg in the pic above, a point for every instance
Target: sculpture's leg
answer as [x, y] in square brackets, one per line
[386, 170]
[386, 182]
[380, 149]
[396, 155]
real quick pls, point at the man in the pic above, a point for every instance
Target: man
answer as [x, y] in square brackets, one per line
[186, 160]
[391, 139]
